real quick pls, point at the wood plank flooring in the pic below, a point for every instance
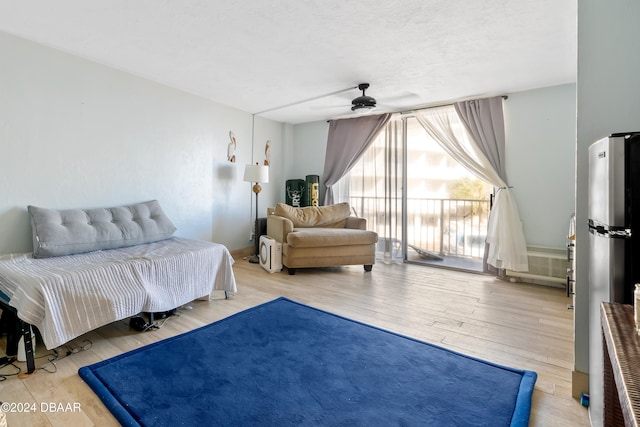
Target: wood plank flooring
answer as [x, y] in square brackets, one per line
[519, 325]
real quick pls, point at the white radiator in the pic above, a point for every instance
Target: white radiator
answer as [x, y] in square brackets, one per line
[547, 265]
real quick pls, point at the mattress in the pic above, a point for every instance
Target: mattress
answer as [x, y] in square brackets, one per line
[67, 296]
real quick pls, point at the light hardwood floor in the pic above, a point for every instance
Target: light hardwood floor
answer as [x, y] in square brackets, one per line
[519, 325]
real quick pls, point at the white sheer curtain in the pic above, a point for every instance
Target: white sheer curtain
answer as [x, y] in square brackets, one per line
[375, 190]
[507, 247]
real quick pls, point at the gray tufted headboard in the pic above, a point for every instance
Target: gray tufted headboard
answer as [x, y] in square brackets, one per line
[73, 231]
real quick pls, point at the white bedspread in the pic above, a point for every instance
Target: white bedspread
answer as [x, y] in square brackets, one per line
[66, 296]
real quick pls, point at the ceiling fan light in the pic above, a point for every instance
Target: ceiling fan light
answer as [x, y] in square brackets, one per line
[363, 109]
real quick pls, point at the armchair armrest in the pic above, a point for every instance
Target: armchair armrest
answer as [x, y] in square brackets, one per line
[278, 227]
[356, 223]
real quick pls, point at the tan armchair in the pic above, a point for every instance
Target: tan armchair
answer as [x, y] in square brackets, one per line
[321, 236]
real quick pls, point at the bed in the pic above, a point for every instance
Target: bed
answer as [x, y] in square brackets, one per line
[66, 294]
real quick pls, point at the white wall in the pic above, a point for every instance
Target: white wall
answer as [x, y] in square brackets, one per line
[309, 149]
[540, 158]
[76, 134]
[540, 153]
[608, 101]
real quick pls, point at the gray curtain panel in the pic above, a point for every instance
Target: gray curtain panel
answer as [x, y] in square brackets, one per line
[484, 121]
[348, 139]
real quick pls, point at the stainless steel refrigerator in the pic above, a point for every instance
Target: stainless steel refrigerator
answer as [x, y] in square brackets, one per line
[614, 237]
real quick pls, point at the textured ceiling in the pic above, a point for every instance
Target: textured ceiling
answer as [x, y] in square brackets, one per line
[255, 55]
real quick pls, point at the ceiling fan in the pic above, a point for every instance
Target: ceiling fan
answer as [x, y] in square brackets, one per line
[363, 104]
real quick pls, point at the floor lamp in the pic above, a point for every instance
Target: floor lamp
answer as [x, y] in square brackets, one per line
[256, 173]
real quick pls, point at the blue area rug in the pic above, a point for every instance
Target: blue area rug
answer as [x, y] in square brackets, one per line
[284, 363]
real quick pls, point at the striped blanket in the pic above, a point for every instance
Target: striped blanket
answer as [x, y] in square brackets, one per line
[66, 296]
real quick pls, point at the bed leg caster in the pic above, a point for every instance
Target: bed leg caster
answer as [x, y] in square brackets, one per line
[368, 267]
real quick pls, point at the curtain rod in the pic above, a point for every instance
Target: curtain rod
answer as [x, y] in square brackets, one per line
[445, 104]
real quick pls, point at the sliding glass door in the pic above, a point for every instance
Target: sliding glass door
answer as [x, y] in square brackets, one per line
[447, 208]
[425, 207]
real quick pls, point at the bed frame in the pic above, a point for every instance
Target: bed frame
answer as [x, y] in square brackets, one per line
[16, 328]
[93, 267]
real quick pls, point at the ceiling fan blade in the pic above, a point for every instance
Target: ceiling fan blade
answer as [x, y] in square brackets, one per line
[403, 100]
[327, 107]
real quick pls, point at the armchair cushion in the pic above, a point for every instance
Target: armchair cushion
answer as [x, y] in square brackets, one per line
[323, 237]
[334, 216]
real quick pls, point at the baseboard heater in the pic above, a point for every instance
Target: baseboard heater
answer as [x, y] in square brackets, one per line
[547, 265]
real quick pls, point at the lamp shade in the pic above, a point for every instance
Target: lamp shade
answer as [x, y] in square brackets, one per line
[256, 173]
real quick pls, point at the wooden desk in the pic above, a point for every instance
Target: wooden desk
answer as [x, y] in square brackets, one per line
[621, 346]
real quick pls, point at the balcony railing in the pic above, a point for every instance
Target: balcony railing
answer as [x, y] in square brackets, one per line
[449, 227]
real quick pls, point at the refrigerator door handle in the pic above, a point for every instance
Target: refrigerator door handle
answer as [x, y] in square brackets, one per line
[619, 232]
[610, 231]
